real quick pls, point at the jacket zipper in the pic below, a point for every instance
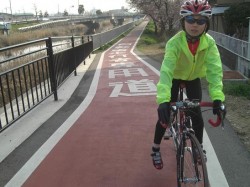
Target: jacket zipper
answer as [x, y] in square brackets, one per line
[192, 67]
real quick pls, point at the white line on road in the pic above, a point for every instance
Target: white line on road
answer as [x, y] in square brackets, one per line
[23, 174]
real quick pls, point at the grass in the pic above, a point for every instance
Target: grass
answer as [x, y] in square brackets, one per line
[20, 37]
[237, 89]
[17, 37]
[148, 37]
[14, 27]
[150, 44]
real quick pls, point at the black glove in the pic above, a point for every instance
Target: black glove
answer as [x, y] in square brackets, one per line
[217, 107]
[164, 112]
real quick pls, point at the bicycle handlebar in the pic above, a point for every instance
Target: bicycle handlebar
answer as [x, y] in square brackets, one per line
[216, 123]
[191, 104]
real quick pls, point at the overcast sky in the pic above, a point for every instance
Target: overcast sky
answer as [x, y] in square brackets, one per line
[52, 6]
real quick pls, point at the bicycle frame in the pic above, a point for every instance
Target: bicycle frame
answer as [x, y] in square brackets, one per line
[178, 112]
[185, 144]
[189, 151]
[177, 124]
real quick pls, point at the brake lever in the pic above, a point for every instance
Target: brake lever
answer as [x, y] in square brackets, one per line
[222, 123]
[220, 118]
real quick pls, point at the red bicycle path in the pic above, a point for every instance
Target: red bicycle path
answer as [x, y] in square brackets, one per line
[110, 143]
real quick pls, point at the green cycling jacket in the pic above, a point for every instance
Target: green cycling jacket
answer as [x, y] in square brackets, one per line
[180, 63]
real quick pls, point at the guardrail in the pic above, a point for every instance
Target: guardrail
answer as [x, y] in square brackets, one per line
[45, 24]
[103, 38]
[235, 52]
[236, 46]
[33, 71]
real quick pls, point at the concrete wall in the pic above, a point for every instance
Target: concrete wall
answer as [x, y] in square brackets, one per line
[235, 62]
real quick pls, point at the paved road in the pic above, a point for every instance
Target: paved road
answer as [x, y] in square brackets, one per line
[101, 134]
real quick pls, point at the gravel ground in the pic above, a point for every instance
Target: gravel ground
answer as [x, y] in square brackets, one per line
[238, 113]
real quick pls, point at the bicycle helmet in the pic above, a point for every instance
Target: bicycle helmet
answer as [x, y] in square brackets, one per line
[196, 7]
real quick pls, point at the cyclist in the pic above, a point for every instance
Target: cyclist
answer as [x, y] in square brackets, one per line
[189, 55]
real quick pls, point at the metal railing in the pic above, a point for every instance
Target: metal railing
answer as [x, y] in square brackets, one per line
[234, 45]
[103, 38]
[239, 50]
[33, 71]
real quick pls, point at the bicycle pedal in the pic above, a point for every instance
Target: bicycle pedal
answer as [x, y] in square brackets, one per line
[167, 137]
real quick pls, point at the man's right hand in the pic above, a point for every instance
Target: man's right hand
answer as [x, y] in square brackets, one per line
[164, 113]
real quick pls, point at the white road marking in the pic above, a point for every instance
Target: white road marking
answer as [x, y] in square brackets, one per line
[23, 174]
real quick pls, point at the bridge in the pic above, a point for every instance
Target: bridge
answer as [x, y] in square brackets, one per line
[90, 21]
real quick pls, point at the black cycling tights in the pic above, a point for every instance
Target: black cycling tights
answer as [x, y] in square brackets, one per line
[193, 91]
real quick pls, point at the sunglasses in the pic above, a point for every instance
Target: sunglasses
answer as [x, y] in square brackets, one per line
[192, 20]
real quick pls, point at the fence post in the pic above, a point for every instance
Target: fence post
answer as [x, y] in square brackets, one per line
[84, 62]
[248, 56]
[74, 53]
[52, 72]
[89, 40]
[82, 39]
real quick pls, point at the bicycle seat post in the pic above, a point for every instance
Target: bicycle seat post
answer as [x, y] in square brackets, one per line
[181, 87]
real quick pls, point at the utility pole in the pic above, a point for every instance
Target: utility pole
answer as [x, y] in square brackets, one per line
[11, 11]
[248, 38]
[78, 7]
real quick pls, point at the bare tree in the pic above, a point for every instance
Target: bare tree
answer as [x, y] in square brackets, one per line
[164, 13]
[40, 14]
[65, 13]
[98, 12]
[36, 11]
[46, 14]
[81, 9]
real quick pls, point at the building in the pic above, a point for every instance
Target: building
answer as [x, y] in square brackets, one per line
[6, 17]
[218, 9]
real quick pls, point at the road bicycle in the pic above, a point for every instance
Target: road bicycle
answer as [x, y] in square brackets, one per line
[191, 163]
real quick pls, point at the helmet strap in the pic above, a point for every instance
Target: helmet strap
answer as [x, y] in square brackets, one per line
[192, 39]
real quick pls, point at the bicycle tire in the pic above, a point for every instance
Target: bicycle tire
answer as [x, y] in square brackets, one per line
[190, 170]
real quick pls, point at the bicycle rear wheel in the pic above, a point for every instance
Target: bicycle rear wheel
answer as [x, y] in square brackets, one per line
[191, 166]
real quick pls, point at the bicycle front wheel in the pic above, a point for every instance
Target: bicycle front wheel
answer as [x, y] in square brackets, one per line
[191, 166]
[175, 135]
